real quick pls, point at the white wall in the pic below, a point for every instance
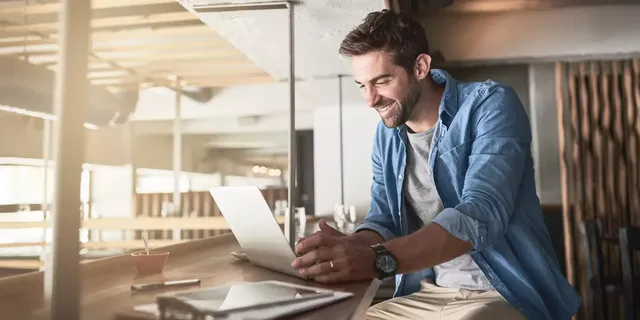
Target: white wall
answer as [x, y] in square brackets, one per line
[358, 131]
[544, 119]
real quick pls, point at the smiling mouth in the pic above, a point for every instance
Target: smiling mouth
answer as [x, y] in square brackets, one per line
[385, 108]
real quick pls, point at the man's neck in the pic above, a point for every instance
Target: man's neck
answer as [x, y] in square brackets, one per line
[425, 113]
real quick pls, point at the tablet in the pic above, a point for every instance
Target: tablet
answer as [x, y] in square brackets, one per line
[241, 296]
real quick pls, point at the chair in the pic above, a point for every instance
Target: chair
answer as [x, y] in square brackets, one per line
[629, 242]
[599, 286]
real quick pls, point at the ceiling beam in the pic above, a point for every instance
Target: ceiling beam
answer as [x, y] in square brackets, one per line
[118, 57]
[103, 23]
[51, 49]
[142, 33]
[97, 4]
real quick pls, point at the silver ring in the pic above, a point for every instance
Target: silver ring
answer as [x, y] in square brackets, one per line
[331, 264]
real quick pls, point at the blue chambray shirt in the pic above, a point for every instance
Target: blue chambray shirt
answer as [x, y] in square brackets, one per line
[483, 171]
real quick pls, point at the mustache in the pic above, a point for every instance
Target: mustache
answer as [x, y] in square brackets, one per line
[384, 103]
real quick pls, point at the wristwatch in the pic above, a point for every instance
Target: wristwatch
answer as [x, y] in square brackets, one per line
[385, 263]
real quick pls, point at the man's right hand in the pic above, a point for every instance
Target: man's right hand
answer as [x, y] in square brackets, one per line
[326, 231]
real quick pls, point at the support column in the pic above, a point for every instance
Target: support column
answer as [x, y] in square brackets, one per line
[46, 157]
[341, 140]
[62, 273]
[290, 221]
[131, 148]
[177, 156]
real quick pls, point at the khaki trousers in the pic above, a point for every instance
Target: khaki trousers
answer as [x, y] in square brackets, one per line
[433, 302]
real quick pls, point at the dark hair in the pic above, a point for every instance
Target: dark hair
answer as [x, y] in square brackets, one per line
[396, 33]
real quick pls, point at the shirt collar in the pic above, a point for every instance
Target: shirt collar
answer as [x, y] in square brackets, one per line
[449, 103]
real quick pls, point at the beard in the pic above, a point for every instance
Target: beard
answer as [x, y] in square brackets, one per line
[396, 113]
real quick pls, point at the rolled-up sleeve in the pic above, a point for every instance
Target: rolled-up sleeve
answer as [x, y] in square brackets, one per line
[500, 149]
[379, 217]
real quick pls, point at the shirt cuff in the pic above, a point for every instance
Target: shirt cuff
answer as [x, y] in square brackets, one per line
[383, 232]
[463, 227]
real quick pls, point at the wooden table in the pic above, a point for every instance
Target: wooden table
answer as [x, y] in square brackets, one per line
[107, 294]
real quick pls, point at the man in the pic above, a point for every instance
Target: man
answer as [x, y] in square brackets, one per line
[454, 212]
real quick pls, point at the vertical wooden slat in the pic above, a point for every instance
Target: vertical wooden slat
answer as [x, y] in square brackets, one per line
[197, 207]
[186, 208]
[576, 147]
[630, 142]
[577, 174]
[155, 211]
[566, 220]
[618, 128]
[586, 155]
[207, 205]
[599, 153]
[635, 66]
[610, 163]
[216, 213]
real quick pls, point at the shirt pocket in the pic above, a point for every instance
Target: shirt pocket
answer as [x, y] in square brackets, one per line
[451, 168]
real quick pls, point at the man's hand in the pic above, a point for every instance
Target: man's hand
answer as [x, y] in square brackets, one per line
[331, 256]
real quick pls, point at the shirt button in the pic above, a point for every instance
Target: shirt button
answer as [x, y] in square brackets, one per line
[400, 177]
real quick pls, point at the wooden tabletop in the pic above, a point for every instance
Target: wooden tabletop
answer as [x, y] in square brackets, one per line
[107, 294]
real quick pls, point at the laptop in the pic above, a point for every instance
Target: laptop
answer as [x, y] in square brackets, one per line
[256, 229]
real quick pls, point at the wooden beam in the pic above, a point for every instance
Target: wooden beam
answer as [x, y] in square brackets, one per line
[22, 264]
[102, 23]
[142, 223]
[129, 244]
[97, 4]
[21, 244]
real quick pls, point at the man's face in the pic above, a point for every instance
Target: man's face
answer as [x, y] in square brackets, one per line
[387, 87]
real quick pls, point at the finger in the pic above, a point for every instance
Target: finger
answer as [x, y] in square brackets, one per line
[321, 254]
[315, 241]
[318, 269]
[326, 228]
[306, 237]
[340, 276]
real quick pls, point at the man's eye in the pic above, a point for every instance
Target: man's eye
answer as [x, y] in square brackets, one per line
[379, 83]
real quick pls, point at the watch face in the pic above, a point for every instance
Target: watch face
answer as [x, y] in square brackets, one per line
[386, 263]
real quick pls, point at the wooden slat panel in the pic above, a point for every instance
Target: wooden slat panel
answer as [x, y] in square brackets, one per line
[603, 172]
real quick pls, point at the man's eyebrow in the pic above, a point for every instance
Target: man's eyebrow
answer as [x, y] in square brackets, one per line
[386, 75]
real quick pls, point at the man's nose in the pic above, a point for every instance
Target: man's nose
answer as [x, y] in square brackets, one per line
[372, 97]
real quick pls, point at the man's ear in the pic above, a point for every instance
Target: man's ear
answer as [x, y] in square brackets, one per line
[422, 66]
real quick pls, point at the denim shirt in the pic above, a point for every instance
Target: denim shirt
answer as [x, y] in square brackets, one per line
[483, 171]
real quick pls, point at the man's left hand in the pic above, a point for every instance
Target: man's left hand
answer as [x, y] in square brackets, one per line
[329, 257]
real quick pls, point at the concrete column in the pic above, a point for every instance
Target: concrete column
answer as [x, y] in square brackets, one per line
[63, 280]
